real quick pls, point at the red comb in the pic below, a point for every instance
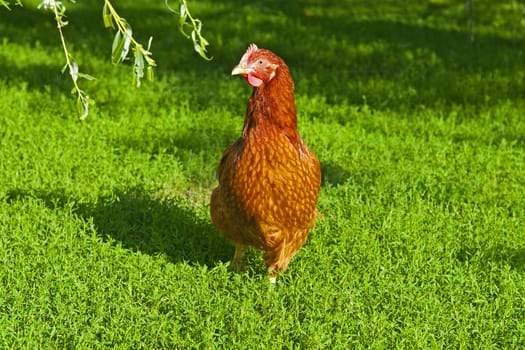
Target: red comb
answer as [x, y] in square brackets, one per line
[251, 49]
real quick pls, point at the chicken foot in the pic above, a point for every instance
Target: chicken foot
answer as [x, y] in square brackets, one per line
[272, 276]
[238, 259]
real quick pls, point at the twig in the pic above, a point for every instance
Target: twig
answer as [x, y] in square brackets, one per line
[82, 99]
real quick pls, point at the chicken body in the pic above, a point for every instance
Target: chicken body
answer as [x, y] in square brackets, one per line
[268, 179]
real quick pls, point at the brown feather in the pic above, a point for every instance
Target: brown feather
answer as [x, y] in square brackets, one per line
[268, 179]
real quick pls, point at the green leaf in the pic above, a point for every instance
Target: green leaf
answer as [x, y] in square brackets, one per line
[86, 76]
[150, 73]
[199, 45]
[117, 48]
[138, 68]
[106, 16]
[182, 23]
[183, 15]
[5, 4]
[127, 41]
[121, 43]
[82, 106]
[185, 19]
[73, 71]
[194, 37]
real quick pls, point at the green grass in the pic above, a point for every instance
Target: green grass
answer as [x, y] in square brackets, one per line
[105, 235]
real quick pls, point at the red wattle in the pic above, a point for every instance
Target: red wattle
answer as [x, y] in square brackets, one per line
[253, 80]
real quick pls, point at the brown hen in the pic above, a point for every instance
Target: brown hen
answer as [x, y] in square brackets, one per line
[268, 179]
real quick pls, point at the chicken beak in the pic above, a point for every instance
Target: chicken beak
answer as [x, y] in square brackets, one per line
[240, 70]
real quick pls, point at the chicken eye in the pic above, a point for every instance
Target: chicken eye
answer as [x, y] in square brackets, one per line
[260, 62]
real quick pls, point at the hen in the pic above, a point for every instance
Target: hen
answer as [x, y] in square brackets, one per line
[268, 179]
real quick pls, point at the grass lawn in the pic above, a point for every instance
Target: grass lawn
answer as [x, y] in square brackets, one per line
[105, 235]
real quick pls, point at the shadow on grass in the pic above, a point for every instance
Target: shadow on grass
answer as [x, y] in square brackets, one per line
[512, 256]
[501, 255]
[333, 174]
[142, 223]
